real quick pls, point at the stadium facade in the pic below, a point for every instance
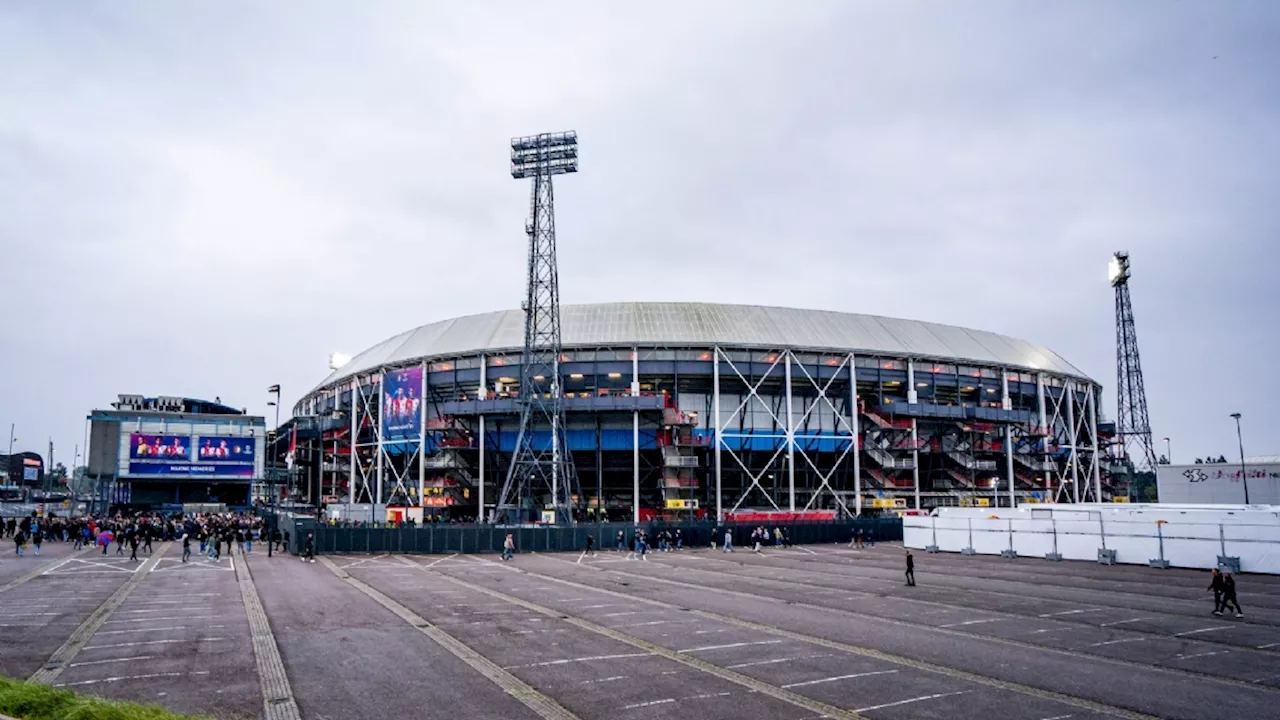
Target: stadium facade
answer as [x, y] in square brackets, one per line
[710, 409]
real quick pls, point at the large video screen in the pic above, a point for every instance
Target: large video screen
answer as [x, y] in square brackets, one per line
[181, 455]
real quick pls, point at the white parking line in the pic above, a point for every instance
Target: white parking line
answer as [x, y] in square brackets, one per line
[1058, 717]
[131, 677]
[135, 631]
[611, 678]
[837, 678]
[775, 661]
[916, 699]
[651, 703]
[1268, 645]
[138, 620]
[1119, 622]
[111, 660]
[656, 622]
[1071, 612]
[433, 562]
[1203, 654]
[628, 612]
[574, 660]
[733, 645]
[1115, 642]
[1202, 630]
[150, 642]
[970, 622]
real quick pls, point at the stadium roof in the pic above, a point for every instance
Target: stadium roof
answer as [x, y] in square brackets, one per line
[673, 324]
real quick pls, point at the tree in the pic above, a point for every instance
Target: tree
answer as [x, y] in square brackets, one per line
[57, 475]
[81, 483]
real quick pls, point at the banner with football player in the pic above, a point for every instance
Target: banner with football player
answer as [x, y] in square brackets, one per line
[402, 404]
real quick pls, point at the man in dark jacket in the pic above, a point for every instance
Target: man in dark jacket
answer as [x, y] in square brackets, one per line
[1229, 594]
[911, 569]
[1216, 585]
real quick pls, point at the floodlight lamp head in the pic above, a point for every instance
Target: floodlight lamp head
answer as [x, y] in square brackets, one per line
[337, 360]
[546, 154]
[1118, 268]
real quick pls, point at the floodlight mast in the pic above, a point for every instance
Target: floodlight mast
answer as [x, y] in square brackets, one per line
[1133, 425]
[540, 464]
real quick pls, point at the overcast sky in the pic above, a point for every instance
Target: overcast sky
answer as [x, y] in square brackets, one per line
[203, 199]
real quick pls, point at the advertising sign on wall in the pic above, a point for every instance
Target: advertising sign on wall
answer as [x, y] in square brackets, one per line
[192, 469]
[159, 447]
[402, 403]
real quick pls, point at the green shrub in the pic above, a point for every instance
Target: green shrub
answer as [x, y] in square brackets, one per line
[30, 701]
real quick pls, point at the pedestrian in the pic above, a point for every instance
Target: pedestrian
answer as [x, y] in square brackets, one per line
[757, 537]
[622, 541]
[120, 542]
[1228, 593]
[728, 540]
[777, 537]
[186, 547]
[1216, 584]
[591, 544]
[508, 547]
[911, 569]
[147, 532]
[239, 541]
[37, 537]
[309, 548]
[679, 540]
[19, 542]
[133, 547]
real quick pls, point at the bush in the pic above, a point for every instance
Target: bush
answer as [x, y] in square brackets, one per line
[31, 701]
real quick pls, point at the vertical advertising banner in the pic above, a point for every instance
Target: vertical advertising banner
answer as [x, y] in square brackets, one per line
[402, 404]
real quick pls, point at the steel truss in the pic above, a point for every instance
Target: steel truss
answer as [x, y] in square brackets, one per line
[365, 478]
[790, 435]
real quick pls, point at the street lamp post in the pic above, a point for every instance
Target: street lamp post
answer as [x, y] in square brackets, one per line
[1244, 474]
[271, 483]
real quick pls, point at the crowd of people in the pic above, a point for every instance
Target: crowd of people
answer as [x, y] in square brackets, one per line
[137, 532]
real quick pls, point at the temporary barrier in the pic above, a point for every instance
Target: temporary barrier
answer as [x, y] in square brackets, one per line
[441, 538]
[1246, 539]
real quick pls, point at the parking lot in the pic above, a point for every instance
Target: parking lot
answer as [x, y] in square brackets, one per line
[788, 633]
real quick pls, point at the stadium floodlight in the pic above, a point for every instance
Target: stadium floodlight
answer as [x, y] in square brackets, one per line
[337, 360]
[1118, 268]
[544, 154]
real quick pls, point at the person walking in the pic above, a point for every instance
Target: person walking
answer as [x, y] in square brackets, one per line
[591, 545]
[37, 537]
[911, 569]
[186, 547]
[1216, 584]
[1228, 593]
[19, 542]
[508, 547]
[147, 532]
[133, 547]
[728, 540]
[309, 548]
[622, 541]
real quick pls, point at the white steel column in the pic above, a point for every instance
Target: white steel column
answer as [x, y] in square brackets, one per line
[1044, 428]
[355, 453]
[715, 410]
[791, 439]
[422, 435]
[382, 376]
[857, 435]
[1069, 394]
[635, 441]
[1007, 404]
[484, 395]
[912, 396]
[1096, 470]
[915, 459]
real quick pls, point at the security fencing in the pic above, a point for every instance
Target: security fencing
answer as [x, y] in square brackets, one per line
[467, 539]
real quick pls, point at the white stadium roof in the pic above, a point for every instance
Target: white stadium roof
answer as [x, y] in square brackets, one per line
[677, 324]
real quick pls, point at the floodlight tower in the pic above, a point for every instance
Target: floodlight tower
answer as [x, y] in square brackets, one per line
[1133, 426]
[541, 465]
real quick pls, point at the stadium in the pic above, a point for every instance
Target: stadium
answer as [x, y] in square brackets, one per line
[705, 410]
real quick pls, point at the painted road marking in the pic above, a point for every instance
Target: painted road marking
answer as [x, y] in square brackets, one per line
[1071, 612]
[579, 659]
[1202, 630]
[777, 660]
[838, 678]
[118, 678]
[971, 622]
[1115, 642]
[665, 701]
[85, 631]
[152, 642]
[148, 631]
[1121, 622]
[543, 705]
[112, 660]
[707, 648]
[1203, 654]
[919, 699]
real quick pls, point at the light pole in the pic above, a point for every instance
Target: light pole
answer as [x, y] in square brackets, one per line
[1244, 475]
[1168, 451]
[271, 483]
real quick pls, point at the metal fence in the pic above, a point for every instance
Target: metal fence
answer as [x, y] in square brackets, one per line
[469, 539]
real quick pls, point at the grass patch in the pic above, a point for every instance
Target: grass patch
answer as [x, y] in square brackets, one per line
[31, 701]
